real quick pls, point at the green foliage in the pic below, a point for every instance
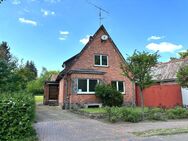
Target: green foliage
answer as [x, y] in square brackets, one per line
[13, 77]
[5, 52]
[156, 114]
[109, 95]
[183, 54]
[123, 113]
[36, 86]
[182, 76]
[177, 113]
[30, 65]
[114, 114]
[135, 114]
[138, 69]
[16, 116]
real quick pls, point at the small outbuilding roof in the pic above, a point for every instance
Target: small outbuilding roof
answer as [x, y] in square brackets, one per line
[167, 71]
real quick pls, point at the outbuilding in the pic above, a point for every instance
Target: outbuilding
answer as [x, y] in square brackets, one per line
[166, 92]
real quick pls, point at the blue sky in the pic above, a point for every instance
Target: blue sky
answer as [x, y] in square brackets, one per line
[51, 31]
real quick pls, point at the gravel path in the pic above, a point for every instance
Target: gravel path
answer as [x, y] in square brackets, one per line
[54, 124]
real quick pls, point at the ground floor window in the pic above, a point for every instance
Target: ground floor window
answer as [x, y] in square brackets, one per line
[87, 85]
[119, 85]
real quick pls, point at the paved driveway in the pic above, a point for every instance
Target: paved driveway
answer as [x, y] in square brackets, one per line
[54, 124]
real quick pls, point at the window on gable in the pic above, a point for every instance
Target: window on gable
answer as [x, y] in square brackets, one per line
[87, 85]
[104, 61]
[101, 60]
[118, 85]
[97, 59]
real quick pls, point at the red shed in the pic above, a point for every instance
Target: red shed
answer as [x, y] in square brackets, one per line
[166, 92]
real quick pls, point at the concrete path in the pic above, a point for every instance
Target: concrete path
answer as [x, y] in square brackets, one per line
[54, 124]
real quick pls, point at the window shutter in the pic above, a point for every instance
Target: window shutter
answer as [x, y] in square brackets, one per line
[74, 86]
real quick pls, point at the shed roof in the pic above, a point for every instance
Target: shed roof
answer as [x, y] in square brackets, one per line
[167, 71]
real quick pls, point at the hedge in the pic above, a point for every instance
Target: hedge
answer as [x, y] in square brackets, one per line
[17, 112]
[134, 114]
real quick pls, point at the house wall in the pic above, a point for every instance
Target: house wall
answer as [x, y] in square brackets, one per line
[113, 71]
[61, 91]
[46, 94]
[165, 95]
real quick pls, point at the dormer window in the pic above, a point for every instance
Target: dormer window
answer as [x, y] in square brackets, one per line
[101, 60]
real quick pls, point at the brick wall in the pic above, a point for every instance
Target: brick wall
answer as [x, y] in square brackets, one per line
[113, 71]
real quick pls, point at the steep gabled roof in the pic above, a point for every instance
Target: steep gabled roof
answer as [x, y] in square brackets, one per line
[167, 71]
[72, 59]
[68, 63]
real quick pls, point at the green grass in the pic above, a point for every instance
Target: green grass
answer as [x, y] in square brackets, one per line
[39, 99]
[161, 132]
[102, 110]
[94, 110]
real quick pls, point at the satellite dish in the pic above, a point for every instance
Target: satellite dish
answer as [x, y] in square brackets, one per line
[104, 37]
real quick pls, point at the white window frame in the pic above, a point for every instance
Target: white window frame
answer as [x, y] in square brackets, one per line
[117, 86]
[101, 60]
[88, 92]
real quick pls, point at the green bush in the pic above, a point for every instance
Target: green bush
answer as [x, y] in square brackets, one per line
[156, 114]
[127, 114]
[177, 113]
[16, 116]
[114, 113]
[109, 95]
[133, 115]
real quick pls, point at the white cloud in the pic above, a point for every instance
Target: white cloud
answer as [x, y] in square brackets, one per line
[64, 32]
[61, 38]
[47, 12]
[164, 47]
[27, 21]
[155, 38]
[52, 1]
[84, 40]
[16, 2]
[63, 35]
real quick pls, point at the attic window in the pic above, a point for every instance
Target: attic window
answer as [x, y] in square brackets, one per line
[101, 60]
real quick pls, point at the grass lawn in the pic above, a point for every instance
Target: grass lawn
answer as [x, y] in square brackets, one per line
[94, 110]
[39, 99]
[161, 132]
[102, 110]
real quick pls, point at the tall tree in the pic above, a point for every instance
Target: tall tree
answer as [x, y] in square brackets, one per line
[5, 52]
[182, 76]
[138, 69]
[31, 66]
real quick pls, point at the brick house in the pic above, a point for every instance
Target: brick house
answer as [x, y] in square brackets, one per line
[99, 61]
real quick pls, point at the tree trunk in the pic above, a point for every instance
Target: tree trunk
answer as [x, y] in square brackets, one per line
[142, 103]
[133, 94]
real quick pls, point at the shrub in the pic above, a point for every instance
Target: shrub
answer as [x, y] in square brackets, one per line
[177, 113]
[109, 95]
[156, 114]
[16, 116]
[114, 113]
[123, 113]
[133, 115]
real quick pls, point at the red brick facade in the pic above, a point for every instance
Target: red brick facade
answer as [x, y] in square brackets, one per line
[113, 71]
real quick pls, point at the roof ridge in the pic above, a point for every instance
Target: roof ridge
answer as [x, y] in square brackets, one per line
[173, 61]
